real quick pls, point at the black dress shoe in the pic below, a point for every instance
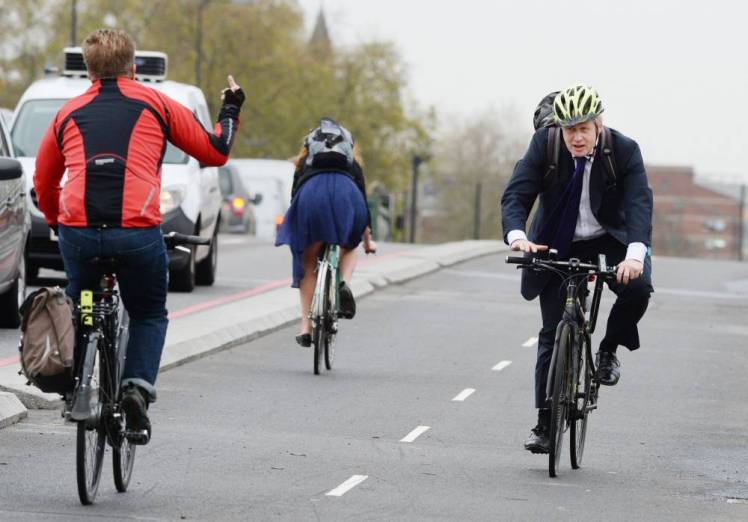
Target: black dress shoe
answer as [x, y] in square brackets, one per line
[347, 303]
[608, 368]
[538, 441]
[304, 340]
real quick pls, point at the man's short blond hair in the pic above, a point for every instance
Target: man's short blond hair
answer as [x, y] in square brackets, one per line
[108, 53]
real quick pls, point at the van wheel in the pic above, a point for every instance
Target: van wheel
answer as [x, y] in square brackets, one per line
[183, 280]
[10, 301]
[206, 269]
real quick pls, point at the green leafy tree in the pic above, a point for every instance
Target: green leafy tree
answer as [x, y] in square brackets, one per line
[290, 82]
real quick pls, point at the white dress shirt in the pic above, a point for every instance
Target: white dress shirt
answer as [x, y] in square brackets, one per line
[587, 225]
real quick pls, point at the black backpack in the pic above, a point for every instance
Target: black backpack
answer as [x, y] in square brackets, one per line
[543, 117]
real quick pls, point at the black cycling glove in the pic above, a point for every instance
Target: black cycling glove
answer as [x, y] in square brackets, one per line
[235, 98]
[232, 104]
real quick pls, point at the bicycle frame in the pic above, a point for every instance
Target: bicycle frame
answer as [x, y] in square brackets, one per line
[328, 260]
[100, 322]
[581, 321]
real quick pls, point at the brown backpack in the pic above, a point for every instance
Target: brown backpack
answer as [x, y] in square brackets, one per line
[48, 340]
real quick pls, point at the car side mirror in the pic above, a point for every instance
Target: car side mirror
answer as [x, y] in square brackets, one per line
[10, 169]
[257, 199]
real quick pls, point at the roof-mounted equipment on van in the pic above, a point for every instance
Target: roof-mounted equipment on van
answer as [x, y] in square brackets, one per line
[151, 66]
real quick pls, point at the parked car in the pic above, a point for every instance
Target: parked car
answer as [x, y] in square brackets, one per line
[14, 229]
[237, 213]
[7, 116]
[272, 180]
[190, 199]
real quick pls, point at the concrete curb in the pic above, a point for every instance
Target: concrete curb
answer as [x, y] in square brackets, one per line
[212, 330]
[11, 410]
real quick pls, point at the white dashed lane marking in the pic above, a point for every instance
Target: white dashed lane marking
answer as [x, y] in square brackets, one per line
[501, 366]
[464, 394]
[346, 486]
[413, 435]
[530, 342]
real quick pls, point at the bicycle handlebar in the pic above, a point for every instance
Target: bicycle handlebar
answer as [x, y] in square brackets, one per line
[175, 239]
[540, 263]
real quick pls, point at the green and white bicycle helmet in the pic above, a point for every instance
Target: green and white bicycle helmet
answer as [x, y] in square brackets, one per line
[576, 104]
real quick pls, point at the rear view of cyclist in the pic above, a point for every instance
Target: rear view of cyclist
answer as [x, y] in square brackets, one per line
[111, 141]
[328, 206]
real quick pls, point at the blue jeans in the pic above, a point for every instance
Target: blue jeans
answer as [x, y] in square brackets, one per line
[142, 277]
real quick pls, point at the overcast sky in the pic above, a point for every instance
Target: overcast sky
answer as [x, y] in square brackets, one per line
[672, 74]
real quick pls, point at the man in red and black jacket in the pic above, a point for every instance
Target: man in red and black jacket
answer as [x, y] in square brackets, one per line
[111, 140]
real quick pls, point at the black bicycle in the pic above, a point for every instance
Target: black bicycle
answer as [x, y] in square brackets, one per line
[572, 385]
[100, 352]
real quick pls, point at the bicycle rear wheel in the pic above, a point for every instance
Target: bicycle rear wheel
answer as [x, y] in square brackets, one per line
[318, 339]
[331, 317]
[560, 400]
[582, 388]
[123, 451]
[91, 437]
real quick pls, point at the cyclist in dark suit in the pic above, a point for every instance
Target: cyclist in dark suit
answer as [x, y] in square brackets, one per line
[582, 213]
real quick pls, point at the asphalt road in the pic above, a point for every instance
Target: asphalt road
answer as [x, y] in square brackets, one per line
[243, 263]
[252, 434]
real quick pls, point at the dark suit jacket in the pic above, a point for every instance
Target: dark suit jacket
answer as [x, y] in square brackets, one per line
[624, 211]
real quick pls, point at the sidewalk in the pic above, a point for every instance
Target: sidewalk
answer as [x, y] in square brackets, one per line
[228, 321]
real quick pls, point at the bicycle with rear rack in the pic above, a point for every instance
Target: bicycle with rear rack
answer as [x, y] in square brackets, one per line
[94, 403]
[324, 312]
[572, 385]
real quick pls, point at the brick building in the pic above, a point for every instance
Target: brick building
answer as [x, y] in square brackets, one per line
[693, 219]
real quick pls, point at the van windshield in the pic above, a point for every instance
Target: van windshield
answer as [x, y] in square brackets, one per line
[34, 117]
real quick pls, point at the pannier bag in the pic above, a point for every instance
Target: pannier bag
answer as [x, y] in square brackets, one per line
[48, 340]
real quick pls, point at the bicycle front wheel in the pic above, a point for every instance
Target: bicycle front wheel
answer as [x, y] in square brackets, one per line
[561, 396]
[123, 458]
[582, 388]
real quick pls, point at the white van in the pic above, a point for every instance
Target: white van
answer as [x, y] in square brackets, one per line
[272, 180]
[190, 198]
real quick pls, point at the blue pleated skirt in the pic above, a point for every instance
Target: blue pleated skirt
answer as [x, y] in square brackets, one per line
[329, 208]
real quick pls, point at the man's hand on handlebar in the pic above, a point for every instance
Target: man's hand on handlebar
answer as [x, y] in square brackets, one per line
[523, 245]
[628, 270]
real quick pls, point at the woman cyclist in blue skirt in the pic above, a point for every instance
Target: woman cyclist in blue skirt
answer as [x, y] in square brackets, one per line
[328, 205]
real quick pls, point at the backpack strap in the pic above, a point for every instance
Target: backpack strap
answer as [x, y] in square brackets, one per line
[553, 148]
[609, 159]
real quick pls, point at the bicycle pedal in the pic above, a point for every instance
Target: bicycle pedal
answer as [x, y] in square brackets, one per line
[138, 437]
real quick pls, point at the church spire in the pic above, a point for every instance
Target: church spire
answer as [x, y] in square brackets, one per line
[320, 36]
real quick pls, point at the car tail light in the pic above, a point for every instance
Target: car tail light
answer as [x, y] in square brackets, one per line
[238, 205]
[278, 221]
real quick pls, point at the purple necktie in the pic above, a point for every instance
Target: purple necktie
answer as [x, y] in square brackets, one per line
[558, 231]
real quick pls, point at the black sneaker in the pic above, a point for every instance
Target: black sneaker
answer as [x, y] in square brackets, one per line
[347, 303]
[608, 368]
[538, 441]
[135, 406]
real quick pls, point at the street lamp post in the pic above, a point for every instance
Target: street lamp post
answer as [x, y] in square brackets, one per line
[73, 23]
[477, 210]
[199, 41]
[741, 224]
[416, 162]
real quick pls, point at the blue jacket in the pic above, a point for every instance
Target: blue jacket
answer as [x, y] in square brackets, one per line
[623, 210]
